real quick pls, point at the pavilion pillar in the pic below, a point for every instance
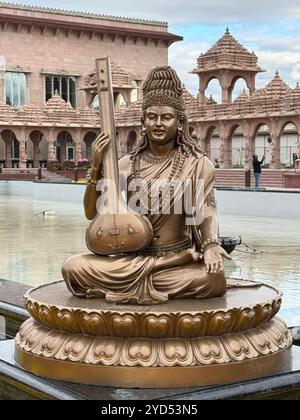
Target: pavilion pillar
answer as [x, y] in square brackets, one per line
[78, 146]
[202, 88]
[275, 153]
[225, 95]
[8, 162]
[248, 153]
[225, 153]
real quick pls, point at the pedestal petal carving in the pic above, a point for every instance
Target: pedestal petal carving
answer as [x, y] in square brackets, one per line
[108, 351]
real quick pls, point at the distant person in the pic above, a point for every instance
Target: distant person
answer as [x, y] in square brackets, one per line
[216, 163]
[296, 160]
[257, 169]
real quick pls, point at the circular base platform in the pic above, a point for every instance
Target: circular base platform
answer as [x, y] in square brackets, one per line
[178, 344]
[155, 377]
[240, 309]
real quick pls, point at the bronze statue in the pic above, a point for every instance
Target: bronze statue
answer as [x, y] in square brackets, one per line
[171, 265]
[147, 254]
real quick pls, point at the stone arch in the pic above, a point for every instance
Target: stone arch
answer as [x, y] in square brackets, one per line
[212, 143]
[289, 143]
[11, 147]
[65, 146]
[238, 84]
[131, 141]
[88, 139]
[37, 147]
[237, 142]
[214, 89]
[262, 141]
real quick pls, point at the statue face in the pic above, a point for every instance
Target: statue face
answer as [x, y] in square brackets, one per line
[161, 123]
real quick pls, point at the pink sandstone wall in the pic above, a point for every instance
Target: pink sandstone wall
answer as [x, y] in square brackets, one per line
[37, 51]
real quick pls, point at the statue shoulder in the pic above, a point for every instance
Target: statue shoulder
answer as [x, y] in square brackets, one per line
[125, 164]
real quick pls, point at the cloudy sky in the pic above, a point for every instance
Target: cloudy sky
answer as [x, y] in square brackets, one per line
[271, 28]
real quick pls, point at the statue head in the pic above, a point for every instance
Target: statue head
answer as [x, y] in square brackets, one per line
[164, 117]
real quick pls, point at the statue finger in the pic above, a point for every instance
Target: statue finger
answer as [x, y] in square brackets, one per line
[225, 255]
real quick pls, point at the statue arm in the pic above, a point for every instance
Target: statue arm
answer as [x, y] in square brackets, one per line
[213, 253]
[91, 194]
[209, 228]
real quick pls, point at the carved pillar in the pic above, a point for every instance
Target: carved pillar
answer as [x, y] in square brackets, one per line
[84, 149]
[225, 153]
[251, 84]
[202, 88]
[225, 95]
[78, 146]
[51, 151]
[23, 154]
[275, 152]
[225, 83]
[78, 151]
[8, 162]
[248, 153]
[207, 146]
[51, 146]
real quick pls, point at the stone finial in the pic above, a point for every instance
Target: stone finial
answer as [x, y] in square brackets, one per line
[57, 104]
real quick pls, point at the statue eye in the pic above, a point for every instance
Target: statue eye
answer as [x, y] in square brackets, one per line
[167, 117]
[152, 117]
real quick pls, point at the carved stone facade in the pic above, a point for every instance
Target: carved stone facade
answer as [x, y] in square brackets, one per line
[46, 55]
[255, 121]
[53, 51]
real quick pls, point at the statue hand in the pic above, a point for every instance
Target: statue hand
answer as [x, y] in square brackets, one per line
[98, 148]
[214, 257]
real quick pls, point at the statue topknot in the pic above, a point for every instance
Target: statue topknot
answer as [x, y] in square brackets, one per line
[163, 87]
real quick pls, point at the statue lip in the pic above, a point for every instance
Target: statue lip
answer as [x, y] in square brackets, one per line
[158, 131]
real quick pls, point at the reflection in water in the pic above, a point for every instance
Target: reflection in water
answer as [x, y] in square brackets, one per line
[277, 242]
[33, 248]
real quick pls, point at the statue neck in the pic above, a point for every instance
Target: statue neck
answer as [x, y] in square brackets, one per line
[161, 149]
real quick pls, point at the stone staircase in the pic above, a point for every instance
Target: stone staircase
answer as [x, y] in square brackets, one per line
[18, 174]
[54, 176]
[271, 178]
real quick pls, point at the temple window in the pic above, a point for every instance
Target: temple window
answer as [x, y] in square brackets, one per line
[95, 104]
[134, 92]
[65, 85]
[15, 89]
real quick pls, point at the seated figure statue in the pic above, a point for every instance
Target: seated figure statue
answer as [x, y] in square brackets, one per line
[183, 261]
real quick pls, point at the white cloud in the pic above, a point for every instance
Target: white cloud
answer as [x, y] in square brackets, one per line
[268, 27]
[188, 11]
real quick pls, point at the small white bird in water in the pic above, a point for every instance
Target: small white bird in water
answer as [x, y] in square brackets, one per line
[48, 213]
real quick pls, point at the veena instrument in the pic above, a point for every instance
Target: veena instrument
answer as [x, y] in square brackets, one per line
[122, 230]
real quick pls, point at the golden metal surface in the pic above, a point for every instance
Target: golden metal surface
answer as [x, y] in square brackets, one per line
[147, 352]
[243, 368]
[241, 309]
[132, 277]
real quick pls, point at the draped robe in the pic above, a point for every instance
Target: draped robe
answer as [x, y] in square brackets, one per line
[132, 278]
